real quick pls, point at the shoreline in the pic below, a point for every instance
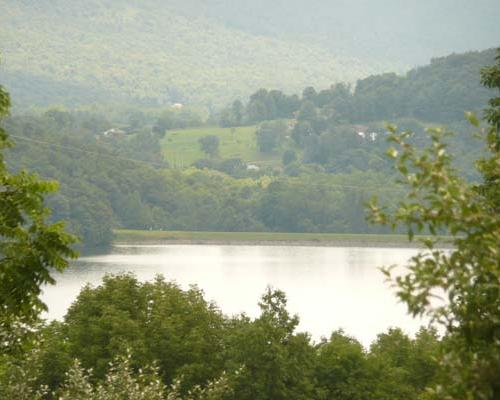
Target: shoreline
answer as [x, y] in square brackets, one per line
[269, 243]
[156, 238]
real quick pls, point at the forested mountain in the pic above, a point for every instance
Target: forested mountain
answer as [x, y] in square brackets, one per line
[154, 52]
[147, 52]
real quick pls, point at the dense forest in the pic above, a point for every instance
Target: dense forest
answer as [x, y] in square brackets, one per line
[438, 92]
[147, 53]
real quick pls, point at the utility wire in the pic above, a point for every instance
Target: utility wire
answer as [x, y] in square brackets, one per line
[72, 148]
[290, 182]
[341, 186]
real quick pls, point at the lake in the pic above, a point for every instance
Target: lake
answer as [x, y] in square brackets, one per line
[328, 287]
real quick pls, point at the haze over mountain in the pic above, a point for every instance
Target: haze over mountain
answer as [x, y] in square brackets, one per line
[210, 52]
[405, 33]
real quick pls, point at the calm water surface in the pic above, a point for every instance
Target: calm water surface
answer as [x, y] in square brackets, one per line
[329, 287]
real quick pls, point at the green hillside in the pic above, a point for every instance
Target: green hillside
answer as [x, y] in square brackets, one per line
[181, 147]
[153, 52]
[146, 52]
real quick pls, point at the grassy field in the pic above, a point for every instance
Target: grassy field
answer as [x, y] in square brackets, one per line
[124, 235]
[181, 147]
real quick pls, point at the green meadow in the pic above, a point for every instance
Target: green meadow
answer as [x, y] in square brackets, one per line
[343, 239]
[181, 147]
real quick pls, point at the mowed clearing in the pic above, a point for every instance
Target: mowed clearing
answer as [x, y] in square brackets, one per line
[181, 147]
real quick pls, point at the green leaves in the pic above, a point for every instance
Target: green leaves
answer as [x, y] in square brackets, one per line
[439, 201]
[392, 152]
[29, 246]
[155, 320]
[472, 118]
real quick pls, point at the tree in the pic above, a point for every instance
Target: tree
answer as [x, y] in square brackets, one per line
[155, 320]
[340, 369]
[277, 362]
[231, 166]
[232, 116]
[301, 131]
[269, 135]
[210, 145]
[392, 370]
[165, 122]
[30, 247]
[490, 77]
[307, 112]
[256, 109]
[122, 381]
[289, 156]
[61, 118]
[237, 111]
[458, 290]
[136, 119]
[309, 94]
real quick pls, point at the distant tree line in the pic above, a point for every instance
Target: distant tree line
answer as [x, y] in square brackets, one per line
[342, 127]
[438, 92]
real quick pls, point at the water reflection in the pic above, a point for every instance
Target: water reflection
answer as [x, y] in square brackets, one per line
[329, 288]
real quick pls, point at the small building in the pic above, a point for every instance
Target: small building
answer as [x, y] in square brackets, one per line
[114, 132]
[253, 167]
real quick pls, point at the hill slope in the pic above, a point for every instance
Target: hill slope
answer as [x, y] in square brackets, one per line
[210, 51]
[147, 52]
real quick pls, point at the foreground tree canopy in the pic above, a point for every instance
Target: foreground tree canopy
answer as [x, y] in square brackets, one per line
[194, 351]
